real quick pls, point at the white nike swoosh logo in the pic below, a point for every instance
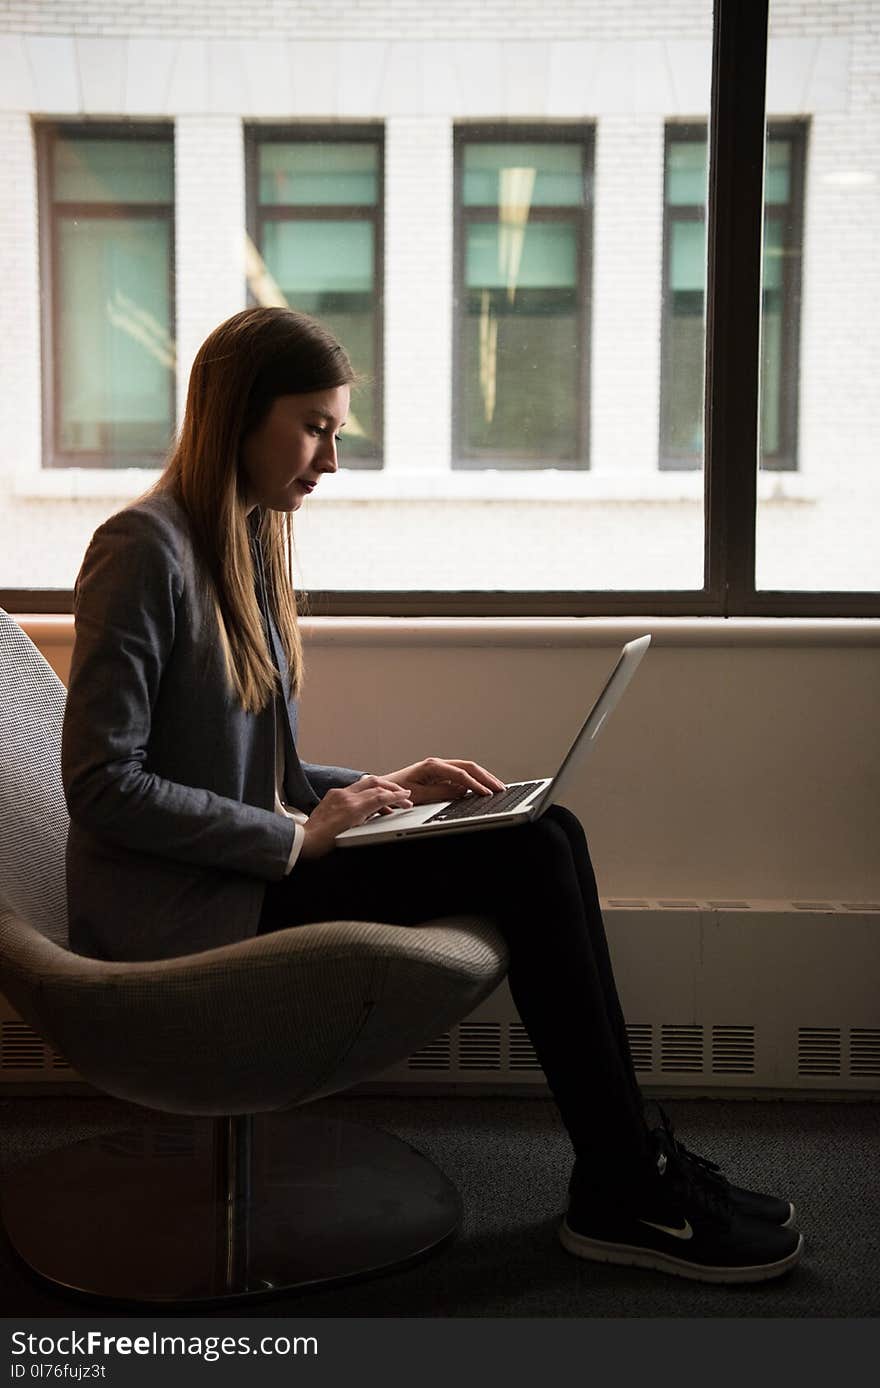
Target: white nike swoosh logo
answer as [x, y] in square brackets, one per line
[685, 1232]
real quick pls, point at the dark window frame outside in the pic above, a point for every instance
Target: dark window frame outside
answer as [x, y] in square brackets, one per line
[46, 133]
[511, 132]
[301, 132]
[784, 459]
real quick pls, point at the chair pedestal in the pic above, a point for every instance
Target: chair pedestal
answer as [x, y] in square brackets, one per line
[187, 1212]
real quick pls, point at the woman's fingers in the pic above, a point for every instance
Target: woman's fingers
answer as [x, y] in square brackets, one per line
[442, 777]
[378, 782]
[340, 810]
[383, 800]
[474, 777]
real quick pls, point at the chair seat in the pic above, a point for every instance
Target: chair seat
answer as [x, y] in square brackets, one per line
[256, 1025]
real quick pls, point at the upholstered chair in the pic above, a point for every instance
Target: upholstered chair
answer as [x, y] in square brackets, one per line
[228, 1188]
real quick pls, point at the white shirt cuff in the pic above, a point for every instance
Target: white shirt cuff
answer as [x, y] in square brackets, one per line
[299, 835]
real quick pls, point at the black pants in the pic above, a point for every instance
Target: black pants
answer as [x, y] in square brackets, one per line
[536, 881]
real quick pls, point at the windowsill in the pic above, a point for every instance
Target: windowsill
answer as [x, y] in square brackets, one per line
[538, 633]
[548, 485]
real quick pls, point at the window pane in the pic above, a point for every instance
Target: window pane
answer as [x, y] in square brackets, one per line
[112, 171]
[777, 175]
[535, 175]
[521, 372]
[482, 224]
[822, 535]
[115, 355]
[540, 256]
[684, 303]
[318, 174]
[327, 257]
[686, 173]
[523, 399]
[325, 265]
[687, 271]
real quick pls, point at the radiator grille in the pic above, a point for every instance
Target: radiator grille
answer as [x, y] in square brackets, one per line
[437, 1055]
[21, 1048]
[479, 1046]
[818, 1050]
[681, 1049]
[864, 1051]
[641, 1045]
[522, 1052]
[733, 1050]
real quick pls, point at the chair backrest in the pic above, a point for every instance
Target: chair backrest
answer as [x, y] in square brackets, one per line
[33, 813]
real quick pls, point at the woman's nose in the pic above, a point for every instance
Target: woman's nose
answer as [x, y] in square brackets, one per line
[329, 456]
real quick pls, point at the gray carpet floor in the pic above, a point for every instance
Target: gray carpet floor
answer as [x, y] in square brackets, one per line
[510, 1160]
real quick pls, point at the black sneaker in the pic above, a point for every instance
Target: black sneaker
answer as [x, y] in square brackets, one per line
[751, 1203]
[679, 1226]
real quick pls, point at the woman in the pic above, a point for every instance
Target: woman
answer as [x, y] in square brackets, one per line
[193, 822]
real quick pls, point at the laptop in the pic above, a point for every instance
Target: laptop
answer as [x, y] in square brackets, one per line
[519, 802]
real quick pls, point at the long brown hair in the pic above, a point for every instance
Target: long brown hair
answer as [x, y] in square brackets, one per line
[239, 370]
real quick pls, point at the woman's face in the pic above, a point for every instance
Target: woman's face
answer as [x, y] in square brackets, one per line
[284, 458]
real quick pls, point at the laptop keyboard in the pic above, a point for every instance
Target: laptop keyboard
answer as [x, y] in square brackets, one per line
[474, 804]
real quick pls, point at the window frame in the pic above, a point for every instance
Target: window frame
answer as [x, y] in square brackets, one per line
[515, 132]
[257, 133]
[733, 303]
[785, 459]
[46, 133]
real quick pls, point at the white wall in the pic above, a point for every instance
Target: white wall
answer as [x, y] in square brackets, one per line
[742, 761]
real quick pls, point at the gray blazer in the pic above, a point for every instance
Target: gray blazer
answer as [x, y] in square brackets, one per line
[169, 783]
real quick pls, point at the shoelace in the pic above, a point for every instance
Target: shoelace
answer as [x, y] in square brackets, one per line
[695, 1174]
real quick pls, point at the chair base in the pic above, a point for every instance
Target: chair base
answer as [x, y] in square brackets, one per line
[146, 1215]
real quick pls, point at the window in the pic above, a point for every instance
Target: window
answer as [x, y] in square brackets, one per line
[315, 219]
[523, 204]
[108, 323]
[508, 234]
[684, 293]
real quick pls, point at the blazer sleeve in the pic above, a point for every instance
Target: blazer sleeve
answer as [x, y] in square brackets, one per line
[126, 601]
[324, 778]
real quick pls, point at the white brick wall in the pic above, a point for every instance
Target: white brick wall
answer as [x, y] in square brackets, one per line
[19, 304]
[361, 19]
[626, 303]
[418, 300]
[839, 415]
[210, 220]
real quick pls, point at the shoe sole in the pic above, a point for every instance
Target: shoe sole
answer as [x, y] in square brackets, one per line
[601, 1252]
[787, 1223]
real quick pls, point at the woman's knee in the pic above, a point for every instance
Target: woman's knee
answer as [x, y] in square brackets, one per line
[563, 817]
[569, 825]
[546, 836]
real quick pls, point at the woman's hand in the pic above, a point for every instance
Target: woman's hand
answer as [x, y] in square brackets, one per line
[437, 778]
[347, 806]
